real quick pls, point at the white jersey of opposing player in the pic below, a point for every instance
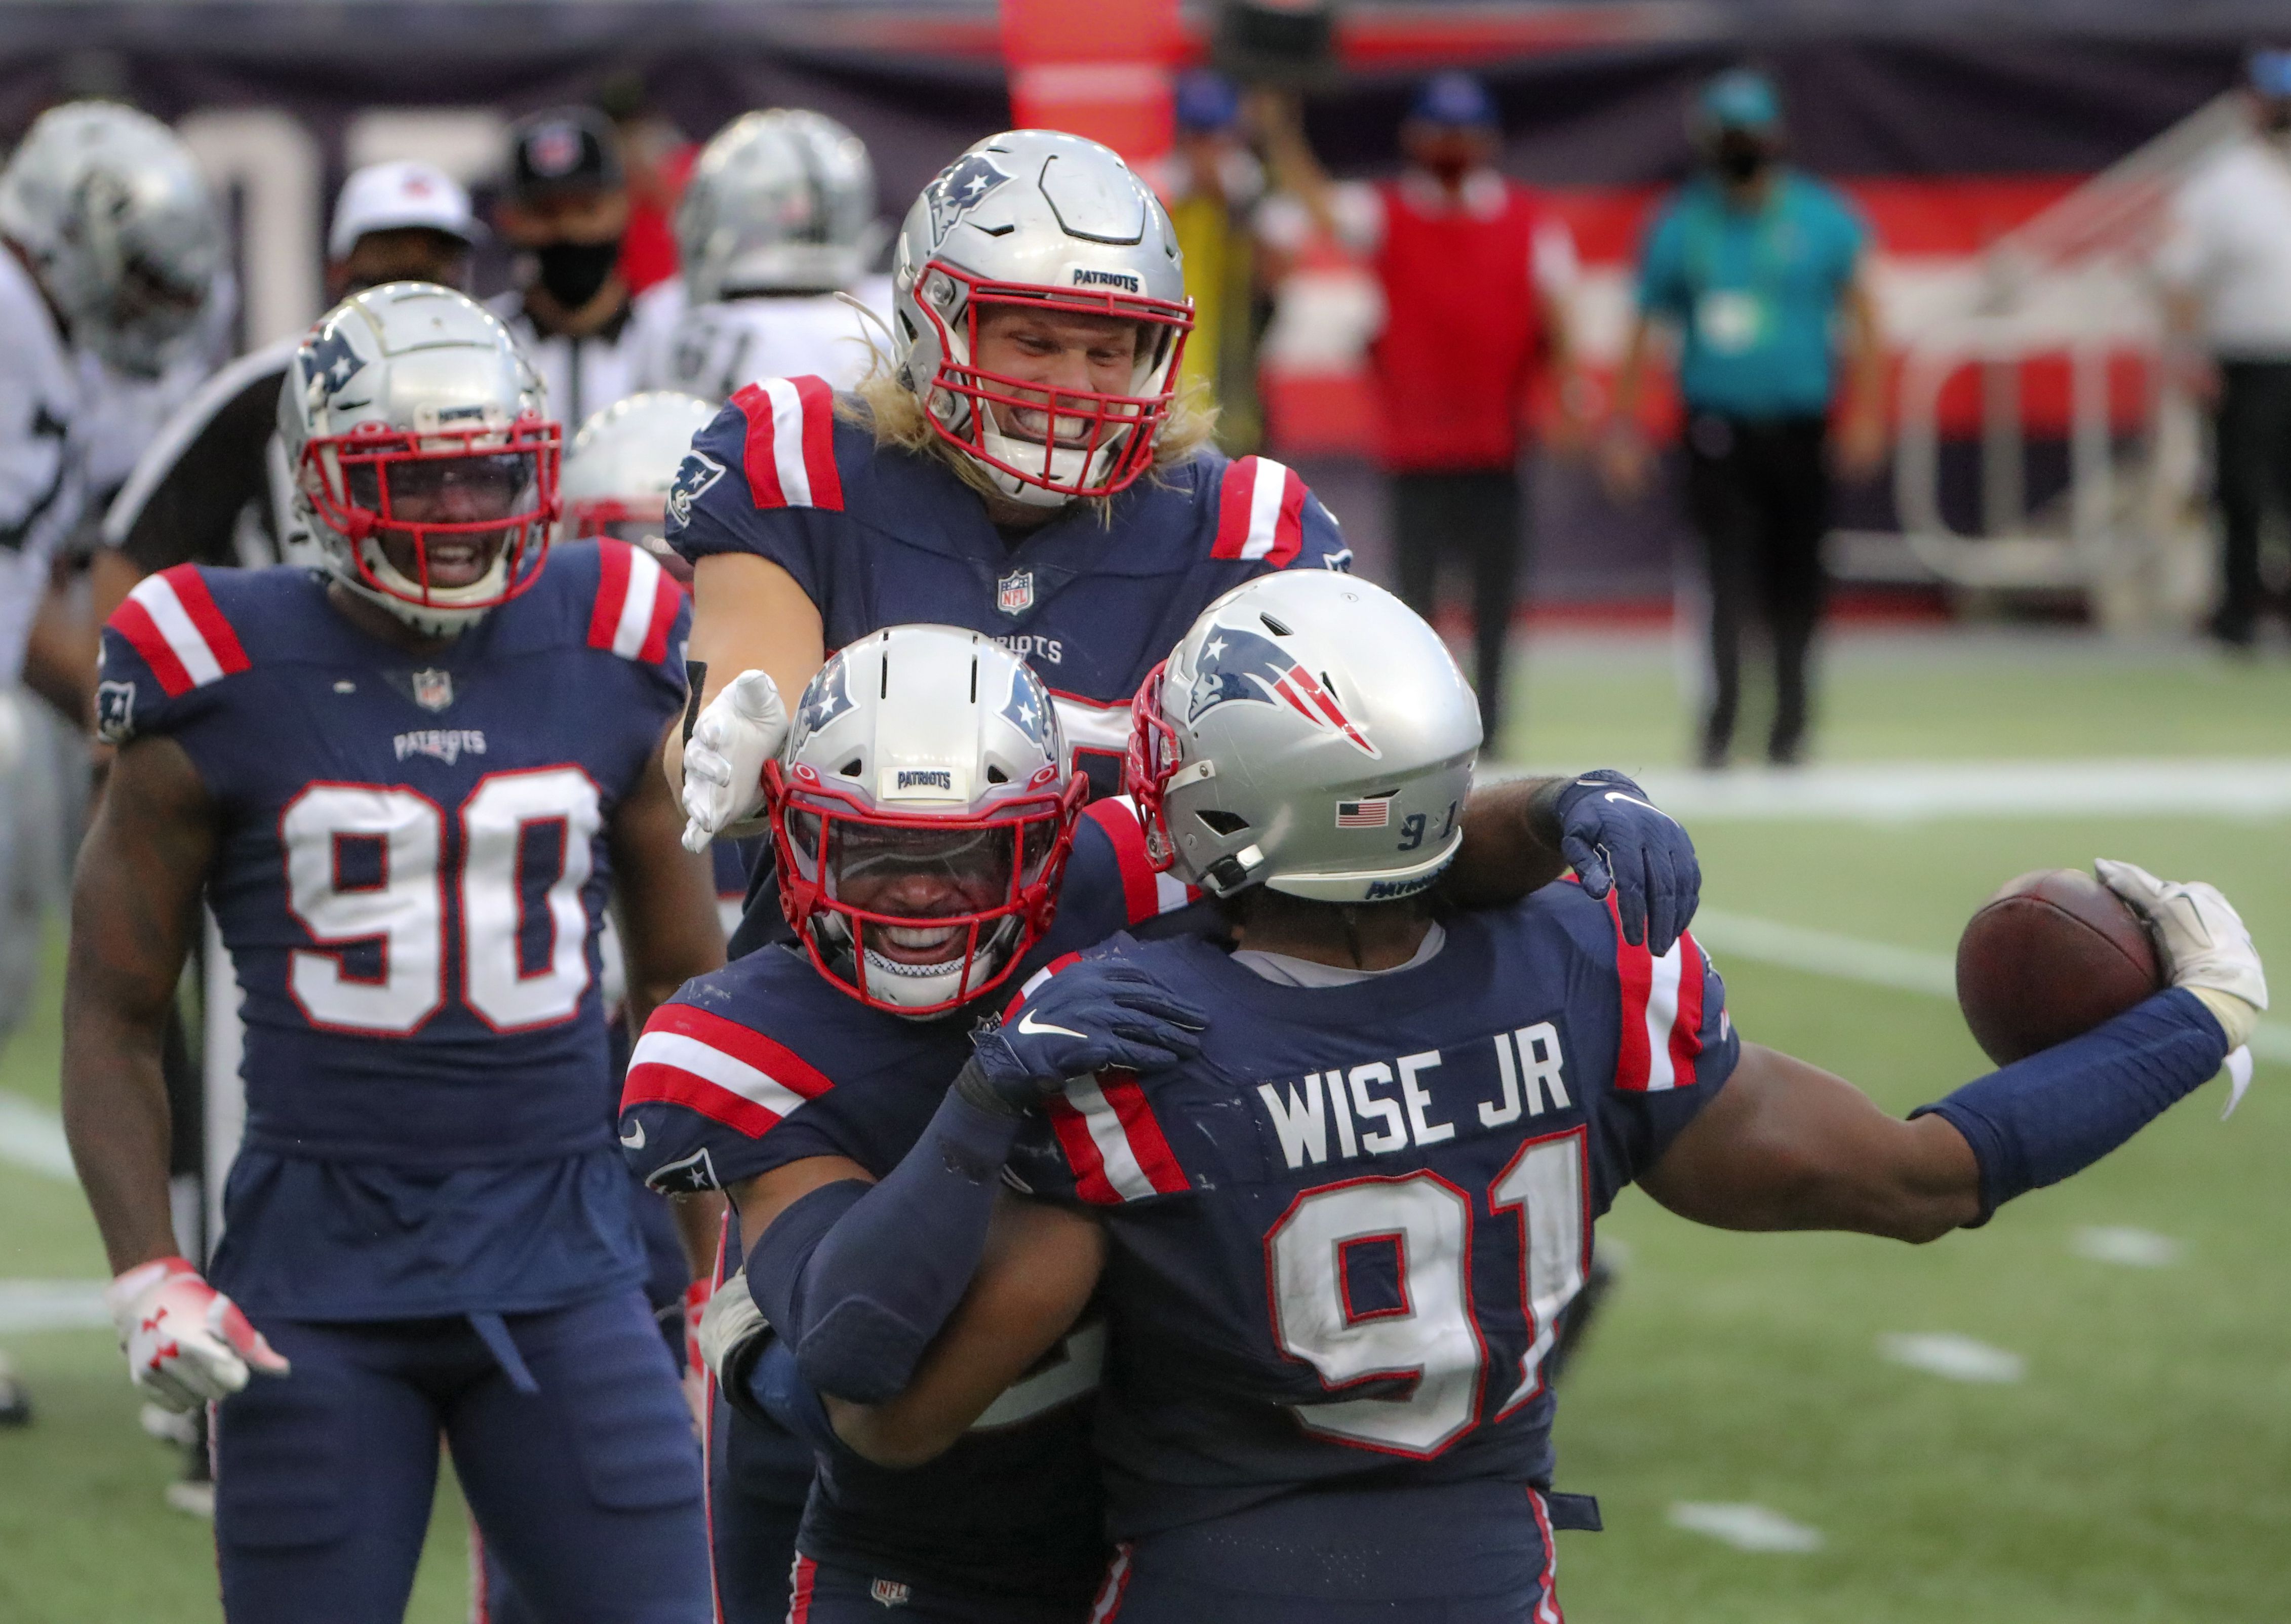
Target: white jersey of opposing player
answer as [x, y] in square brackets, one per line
[580, 376]
[715, 349]
[42, 485]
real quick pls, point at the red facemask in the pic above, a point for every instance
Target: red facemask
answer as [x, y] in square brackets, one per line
[480, 486]
[999, 869]
[1082, 424]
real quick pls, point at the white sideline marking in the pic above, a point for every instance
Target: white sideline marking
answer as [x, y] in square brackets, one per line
[32, 1137]
[1958, 1358]
[1911, 791]
[1745, 1527]
[1904, 969]
[2135, 1249]
[52, 1305]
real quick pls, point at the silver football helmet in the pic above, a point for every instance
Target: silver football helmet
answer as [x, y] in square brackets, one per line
[424, 462]
[1036, 220]
[621, 464]
[1309, 733]
[922, 811]
[780, 201]
[118, 222]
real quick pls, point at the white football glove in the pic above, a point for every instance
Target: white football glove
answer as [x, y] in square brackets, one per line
[728, 1326]
[2206, 949]
[187, 1343]
[742, 728]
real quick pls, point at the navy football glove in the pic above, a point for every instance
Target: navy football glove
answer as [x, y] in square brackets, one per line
[1098, 1014]
[1616, 839]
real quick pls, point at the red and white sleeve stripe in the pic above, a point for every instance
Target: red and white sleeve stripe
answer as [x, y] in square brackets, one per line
[1662, 1012]
[637, 601]
[1144, 893]
[1111, 1141]
[1261, 512]
[727, 1072]
[171, 621]
[790, 455]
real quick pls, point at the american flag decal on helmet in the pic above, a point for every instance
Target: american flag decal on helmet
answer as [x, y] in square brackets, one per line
[1236, 664]
[1373, 813]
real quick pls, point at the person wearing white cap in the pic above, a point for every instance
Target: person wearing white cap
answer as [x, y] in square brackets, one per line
[210, 488]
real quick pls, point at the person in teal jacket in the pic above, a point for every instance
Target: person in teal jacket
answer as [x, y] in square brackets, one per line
[1762, 272]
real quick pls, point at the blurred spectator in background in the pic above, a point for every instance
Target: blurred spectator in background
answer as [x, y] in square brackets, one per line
[1764, 271]
[1476, 277]
[657, 156]
[2226, 268]
[1211, 184]
[210, 487]
[565, 213]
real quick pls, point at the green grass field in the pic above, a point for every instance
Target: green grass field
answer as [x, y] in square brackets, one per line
[2136, 1473]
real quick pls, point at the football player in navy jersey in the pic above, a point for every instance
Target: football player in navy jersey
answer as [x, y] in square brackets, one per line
[1331, 1225]
[934, 846]
[405, 786]
[1025, 467]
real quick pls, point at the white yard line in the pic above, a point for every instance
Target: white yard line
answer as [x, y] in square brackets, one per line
[1913, 792]
[1903, 969]
[1745, 1527]
[33, 1137]
[1955, 1358]
[52, 1305]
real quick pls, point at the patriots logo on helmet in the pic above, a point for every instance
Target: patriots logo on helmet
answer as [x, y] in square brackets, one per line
[960, 187]
[1242, 665]
[1025, 708]
[826, 697]
[327, 357]
[693, 476]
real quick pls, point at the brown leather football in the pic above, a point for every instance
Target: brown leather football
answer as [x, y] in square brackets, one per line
[2052, 955]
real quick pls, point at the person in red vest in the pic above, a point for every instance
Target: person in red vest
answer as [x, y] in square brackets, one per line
[1475, 273]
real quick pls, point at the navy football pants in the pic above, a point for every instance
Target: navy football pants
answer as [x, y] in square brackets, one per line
[826, 1594]
[587, 1487]
[1471, 1553]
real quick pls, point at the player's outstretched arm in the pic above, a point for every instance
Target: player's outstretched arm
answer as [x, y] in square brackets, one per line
[748, 613]
[1521, 835]
[134, 908]
[1787, 1146]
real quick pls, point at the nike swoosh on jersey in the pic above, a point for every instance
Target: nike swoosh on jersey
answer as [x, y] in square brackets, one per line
[1026, 1024]
[634, 1139]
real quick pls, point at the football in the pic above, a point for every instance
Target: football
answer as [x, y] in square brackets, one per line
[2053, 954]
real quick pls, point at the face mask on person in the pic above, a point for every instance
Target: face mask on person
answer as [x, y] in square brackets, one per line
[572, 272]
[1739, 158]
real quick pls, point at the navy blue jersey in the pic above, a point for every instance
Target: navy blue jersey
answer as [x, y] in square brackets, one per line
[1342, 1237]
[411, 877]
[877, 536]
[764, 1062]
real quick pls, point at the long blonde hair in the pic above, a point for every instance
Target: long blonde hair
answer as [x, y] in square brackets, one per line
[894, 414]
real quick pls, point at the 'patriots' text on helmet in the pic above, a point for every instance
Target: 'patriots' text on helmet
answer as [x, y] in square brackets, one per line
[423, 457]
[1310, 733]
[119, 226]
[1037, 221]
[921, 812]
[780, 201]
[622, 465]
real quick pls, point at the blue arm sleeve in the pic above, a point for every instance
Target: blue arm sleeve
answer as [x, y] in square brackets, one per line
[776, 1387]
[859, 1285]
[2038, 1121]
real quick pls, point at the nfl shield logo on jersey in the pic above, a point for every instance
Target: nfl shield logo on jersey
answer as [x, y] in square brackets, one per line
[889, 1592]
[433, 690]
[1014, 594]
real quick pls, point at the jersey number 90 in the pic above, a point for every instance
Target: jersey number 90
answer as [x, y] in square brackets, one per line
[403, 911]
[1431, 1340]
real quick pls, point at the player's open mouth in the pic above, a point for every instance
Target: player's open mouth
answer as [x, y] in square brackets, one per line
[457, 562]
[915, 944]
[1033, 423]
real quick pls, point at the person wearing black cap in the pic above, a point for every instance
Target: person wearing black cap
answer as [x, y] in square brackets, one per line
[1477, 276]
[566, 211]
[1763, 272]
